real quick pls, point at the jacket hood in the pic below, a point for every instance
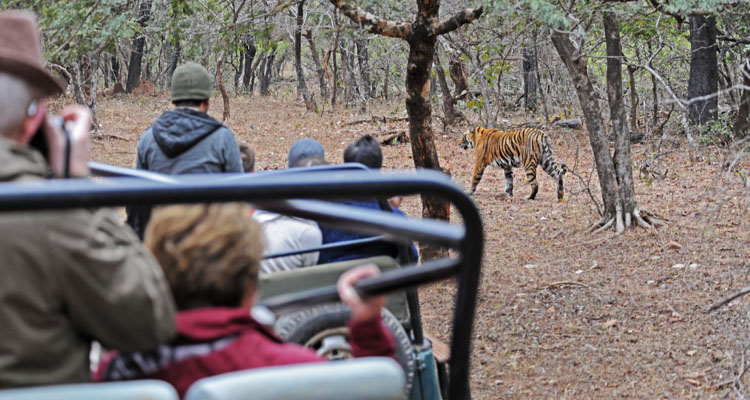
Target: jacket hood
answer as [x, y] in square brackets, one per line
[176, 131]
[20, 162]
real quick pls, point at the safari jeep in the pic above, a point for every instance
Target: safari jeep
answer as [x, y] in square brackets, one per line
[302, 305]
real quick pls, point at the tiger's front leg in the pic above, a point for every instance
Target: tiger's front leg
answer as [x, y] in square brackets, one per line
[509, 182]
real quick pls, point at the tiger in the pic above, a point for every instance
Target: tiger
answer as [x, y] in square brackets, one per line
[509, 149]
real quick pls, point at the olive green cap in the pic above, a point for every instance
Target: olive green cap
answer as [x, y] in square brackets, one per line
[191, 81]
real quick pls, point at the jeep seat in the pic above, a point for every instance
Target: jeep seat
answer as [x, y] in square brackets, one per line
[133, 390]
[317, 276]
[371, 378]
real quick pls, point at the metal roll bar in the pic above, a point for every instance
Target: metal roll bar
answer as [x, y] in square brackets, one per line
[266, 189]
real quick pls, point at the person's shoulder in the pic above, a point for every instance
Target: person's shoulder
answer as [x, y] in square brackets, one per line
[147, 138]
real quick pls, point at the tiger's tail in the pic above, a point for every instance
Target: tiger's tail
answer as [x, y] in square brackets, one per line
[553, 169]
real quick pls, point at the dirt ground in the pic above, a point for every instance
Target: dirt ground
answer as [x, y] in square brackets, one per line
[562, 313]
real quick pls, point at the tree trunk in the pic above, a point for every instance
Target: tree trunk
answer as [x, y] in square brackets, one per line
[351, 90]
[529, 78]
[301, 85]
[387, 77]
[264, 75]
[363, 60]
[622, 163]
[633, 99]
[93, 81]
[136, 56]
[78, 83]
[418, 107]
[174, 59]
[220, 81]
[458, 75]
[449, 102]
[742, 121]
[250, 51]
[318, 66]
[260, 67]
[115, 69]
[332, 57]
[704, 72]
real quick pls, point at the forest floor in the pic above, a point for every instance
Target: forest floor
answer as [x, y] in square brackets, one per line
[562, 313]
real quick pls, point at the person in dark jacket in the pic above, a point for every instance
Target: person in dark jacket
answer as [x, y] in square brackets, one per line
[365, 150]
[185, 140]
[211, 255]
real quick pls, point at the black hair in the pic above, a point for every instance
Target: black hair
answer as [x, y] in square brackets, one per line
[366, 150]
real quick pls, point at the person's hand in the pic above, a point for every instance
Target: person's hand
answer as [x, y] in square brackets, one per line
[77, 121]
[395, 201]
[362, 309]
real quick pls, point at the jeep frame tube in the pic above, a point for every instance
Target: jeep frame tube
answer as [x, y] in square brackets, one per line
[328, 185]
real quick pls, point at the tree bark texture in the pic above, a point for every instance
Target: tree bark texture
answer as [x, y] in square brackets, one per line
[458, 75]
[742, 121]
[93, 81]
[576, 64]
[318, 66]
[136, 56]
[529, 78]
[387, 77]
[623, 165]
[249, 54]
[363, 61]
[301, 84]
[115, 69]
[174, 59]
[704, 70]
[449, 102]
[347, 61]
[633, 99]
[78, 83]
[264, 74]
[418, 107]
[220, 81]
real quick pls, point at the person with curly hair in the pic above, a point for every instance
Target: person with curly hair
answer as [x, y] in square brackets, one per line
[211, 255]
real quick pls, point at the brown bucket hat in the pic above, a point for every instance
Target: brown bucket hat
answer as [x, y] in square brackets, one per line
[21, 51]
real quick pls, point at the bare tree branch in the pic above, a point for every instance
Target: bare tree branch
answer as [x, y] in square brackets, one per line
[372, 22]
[456, 21]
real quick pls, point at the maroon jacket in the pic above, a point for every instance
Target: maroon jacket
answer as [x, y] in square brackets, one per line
[212, 341]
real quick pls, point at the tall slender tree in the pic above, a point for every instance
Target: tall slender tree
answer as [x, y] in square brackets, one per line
[614, 171]
[421, 35]
[136, 56]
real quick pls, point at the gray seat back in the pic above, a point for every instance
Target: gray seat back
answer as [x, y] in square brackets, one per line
[373, 378]
[133, 390]
[297, 280]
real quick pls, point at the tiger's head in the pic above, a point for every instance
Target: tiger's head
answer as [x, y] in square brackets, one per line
[467, 140]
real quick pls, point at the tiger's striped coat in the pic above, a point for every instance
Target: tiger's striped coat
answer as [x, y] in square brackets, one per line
[527, 147]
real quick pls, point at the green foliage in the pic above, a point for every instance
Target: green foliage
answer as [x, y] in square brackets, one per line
[542, 10]
[78, 28]
[718, 131]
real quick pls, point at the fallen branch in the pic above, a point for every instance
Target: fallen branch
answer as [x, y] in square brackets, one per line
[395, 137]
[563, 283]
[109, 136]
[375, 119]
[728, 300]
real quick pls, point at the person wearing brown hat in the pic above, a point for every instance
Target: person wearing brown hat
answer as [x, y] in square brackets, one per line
[185, 140]
[67, 277]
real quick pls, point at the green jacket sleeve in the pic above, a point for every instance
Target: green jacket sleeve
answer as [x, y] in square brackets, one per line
[112, 287]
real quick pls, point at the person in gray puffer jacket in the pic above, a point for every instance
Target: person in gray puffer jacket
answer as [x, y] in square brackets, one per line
[185, 140]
